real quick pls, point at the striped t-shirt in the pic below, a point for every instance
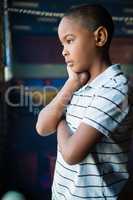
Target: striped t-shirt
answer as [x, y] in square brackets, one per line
[102, 104]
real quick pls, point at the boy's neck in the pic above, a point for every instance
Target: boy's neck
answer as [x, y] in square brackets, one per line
[99, 66]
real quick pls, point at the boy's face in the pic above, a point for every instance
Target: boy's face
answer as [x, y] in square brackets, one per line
[79, 45]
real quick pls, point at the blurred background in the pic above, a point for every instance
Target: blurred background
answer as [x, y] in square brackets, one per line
[32, 70]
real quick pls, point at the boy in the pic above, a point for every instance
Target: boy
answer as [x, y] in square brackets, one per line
[92, 144]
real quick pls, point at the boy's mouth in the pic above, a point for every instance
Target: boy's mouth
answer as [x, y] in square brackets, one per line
[69, 63]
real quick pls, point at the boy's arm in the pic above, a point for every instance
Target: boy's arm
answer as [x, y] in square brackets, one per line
[75, 147]
[50, 116]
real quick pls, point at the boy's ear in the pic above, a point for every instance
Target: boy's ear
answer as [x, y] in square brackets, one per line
[101, 36]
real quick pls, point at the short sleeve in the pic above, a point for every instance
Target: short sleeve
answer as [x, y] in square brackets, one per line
[107, 110]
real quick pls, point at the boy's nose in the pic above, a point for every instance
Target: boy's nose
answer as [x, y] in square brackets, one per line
[65, 52]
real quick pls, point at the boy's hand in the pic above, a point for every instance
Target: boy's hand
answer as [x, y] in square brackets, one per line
[80, 78]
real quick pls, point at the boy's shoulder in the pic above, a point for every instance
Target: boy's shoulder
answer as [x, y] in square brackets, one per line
[115, 87]
[117, 82]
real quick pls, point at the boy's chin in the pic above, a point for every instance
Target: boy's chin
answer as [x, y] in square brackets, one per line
[78, 70]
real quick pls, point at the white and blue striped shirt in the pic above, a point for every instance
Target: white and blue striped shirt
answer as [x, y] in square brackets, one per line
[102, 104]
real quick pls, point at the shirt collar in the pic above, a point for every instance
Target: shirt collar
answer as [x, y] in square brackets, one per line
[102, 78]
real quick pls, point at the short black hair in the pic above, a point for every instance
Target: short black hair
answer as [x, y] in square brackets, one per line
[92, 16]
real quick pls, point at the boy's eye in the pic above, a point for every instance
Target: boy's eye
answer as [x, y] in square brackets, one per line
[69, 41]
